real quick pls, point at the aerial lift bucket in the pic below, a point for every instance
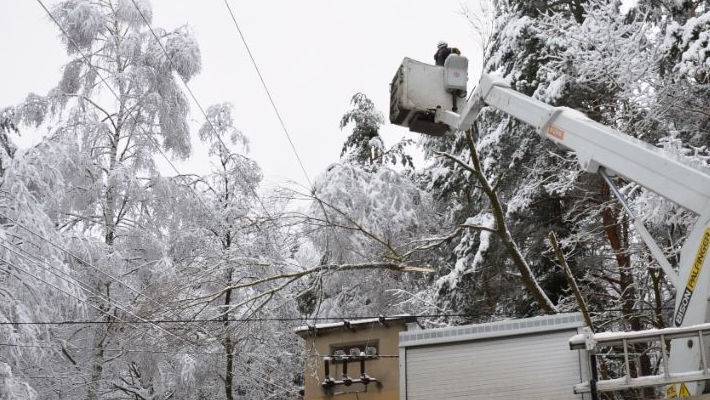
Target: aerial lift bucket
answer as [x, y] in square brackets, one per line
[418, 90]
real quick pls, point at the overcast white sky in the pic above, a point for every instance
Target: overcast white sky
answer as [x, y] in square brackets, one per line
[314, 55]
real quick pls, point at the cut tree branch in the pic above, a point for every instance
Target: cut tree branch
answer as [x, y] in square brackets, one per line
[501, 229]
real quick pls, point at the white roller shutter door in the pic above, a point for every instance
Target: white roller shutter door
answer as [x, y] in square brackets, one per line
[506, 366]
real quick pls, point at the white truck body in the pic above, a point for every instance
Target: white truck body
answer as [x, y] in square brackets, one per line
[507, 360]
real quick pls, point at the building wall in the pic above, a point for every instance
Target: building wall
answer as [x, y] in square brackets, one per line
[384, 369]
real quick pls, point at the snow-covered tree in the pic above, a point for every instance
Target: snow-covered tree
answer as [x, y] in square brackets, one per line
[12, 388]
[90, 230]
[364, 145]
[116, 108]
[365, 211]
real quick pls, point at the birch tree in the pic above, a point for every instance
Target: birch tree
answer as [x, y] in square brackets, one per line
[117, 106]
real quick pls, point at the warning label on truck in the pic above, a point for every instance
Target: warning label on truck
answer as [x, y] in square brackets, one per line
[692, 279]
[682, 392]
[555, 132]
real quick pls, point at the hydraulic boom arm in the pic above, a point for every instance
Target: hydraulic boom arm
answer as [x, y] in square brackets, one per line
[596, 145]
[599, 149]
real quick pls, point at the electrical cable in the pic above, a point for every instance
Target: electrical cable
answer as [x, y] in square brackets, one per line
[197, 102]
[149, 351]
[204, 113]
[91, 292]
[102, 311]
[268, 93]
[277, 112]
[78, 298]
[219, 320]
[157, 145]
[80, 260]
[126, 350]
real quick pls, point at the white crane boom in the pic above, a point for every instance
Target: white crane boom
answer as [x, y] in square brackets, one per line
[597, 145]
[599, 149]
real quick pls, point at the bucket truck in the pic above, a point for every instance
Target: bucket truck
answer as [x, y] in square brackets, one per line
[432, 100]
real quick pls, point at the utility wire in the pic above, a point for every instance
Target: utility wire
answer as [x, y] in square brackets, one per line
[150, 137]
[76, 297]
[204, 113]
[137, 292]
[79, 259]
[277, 112]
[219, 320]
[201, 108]
[84, 287]
[126, 350]
[248, 369]
[268, 93]
[60, 274]
[197, 102]
[132, 350]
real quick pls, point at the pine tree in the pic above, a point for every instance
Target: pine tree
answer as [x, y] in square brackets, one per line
[364, 146]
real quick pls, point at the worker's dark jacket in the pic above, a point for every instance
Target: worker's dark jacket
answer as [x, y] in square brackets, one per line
[441, 55]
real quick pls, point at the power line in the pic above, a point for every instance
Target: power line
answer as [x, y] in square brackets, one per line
[126, 350]
[219, 320]
[132, 350]
[268, 93]
[255, 319]
[73, 296]
[66, 277]
[197, 102]
[207, 119]
[79, 259]
[248, 369]
[139, 293]
[277, 112]
[89, 291]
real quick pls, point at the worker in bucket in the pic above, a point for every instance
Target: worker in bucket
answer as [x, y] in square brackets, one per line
[442, 51]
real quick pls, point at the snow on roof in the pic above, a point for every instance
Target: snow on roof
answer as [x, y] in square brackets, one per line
[490, 330]
[353, 324]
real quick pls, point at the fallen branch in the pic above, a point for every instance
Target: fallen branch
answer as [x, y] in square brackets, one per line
[292, 276]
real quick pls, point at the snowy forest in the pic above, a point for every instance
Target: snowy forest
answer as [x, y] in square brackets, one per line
[120, 281]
